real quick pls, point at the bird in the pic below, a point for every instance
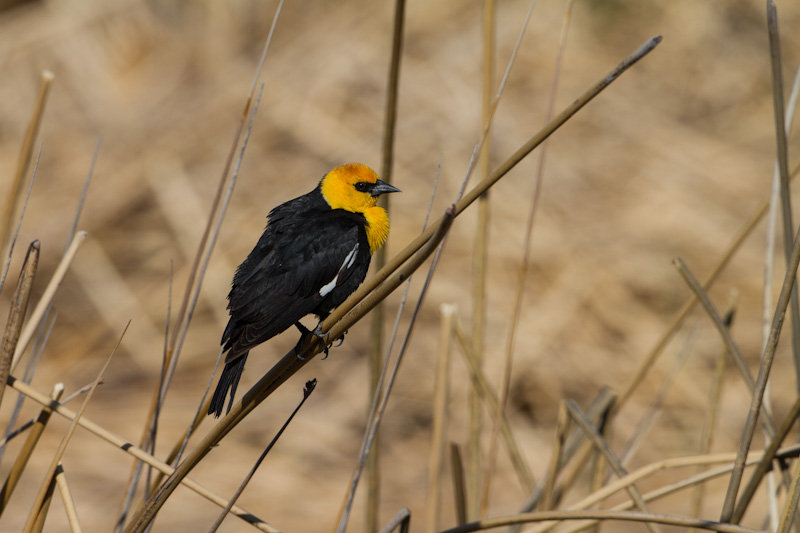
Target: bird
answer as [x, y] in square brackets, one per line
[313, 253]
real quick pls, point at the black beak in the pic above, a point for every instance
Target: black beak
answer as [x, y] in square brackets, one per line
[381, 187]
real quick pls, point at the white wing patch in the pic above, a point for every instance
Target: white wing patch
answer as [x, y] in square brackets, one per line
[347, 263]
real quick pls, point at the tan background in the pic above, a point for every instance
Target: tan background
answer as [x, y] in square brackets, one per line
[669, 161]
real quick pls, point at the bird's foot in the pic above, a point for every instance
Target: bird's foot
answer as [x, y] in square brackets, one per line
[324, 336]
[317, 332]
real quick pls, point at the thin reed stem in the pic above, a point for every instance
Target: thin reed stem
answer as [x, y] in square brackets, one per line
[69, 502]
[761, 382]
[36, 516]
[307, 390]
[16, 315]
[438, 434]
[649, 519]
[601, 445]
[134, 451]
[714, 397]
[379, 259]
[480, 260]
[25, 157]
[27, 449]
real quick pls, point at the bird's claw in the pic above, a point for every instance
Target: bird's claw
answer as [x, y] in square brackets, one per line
[297, 353]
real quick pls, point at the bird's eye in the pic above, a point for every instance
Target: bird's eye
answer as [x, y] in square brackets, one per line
[362, 186]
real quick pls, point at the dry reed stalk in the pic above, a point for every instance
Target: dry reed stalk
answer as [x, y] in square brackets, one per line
[601, 445]
[782, 160]
[38, 511]
[459, 487]
[16, 315]
[41, 515]
[27, 449]
[307, 390]
[485, 134]
[148, 439]
[599, 408]
[25, 157]
[653, 468]
[441, 393]
[19, 222]
[649, 519]
[570, 475]
[134, 451]
[69, 502]
[730, 345]
[480, 260]
[14, 433]
[562, 428]
[377, 319]
[597, 470]
[84, 193]
[664, 490]
[783, 170]
[653, 409]
[401, 519]
[714, 397]
[792, 497]
[516, 308]
[765, 463]
[761, 382]
[489, 397]
[47, 298]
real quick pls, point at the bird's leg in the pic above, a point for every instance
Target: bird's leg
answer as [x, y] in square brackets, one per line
[318, 331]
[303, 332]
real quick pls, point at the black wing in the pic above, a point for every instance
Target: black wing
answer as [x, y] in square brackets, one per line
[300, 266]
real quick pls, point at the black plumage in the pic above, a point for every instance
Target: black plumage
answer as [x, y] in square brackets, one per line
[309, 259]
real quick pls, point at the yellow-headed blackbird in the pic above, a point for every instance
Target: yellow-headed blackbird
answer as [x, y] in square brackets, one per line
[314, 252]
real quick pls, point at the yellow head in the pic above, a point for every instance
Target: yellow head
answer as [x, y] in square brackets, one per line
[355, 187]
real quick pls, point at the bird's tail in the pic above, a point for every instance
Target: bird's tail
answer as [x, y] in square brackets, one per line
[228, 380]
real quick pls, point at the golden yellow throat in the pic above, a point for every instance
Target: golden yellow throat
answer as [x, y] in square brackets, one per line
[377, 227]
[339, 191]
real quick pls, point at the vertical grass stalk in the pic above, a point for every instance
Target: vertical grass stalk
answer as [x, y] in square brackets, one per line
[438, 434]
[480, 260]
[25, 157]
[377, 319]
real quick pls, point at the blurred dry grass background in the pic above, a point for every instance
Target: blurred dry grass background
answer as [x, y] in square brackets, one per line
[670, 161]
